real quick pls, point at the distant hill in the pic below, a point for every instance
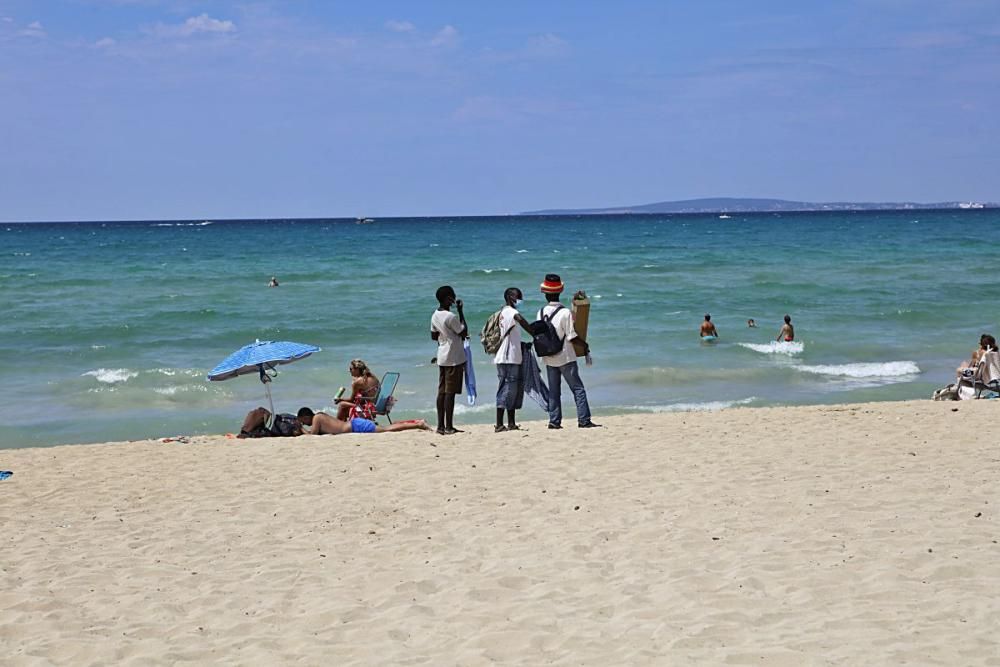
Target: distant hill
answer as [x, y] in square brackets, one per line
[733, 205]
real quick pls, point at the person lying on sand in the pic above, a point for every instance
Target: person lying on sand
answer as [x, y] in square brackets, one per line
[320, 423]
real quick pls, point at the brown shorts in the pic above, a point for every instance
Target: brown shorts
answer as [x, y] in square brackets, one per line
[450, 379]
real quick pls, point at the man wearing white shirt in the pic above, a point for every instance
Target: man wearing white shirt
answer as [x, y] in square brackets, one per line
[510, 390]
[563, 364]
[450, 332]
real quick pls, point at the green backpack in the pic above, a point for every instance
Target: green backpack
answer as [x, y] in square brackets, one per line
[491, 337]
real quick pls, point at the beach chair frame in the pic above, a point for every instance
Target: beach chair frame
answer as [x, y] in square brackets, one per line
[384, 401]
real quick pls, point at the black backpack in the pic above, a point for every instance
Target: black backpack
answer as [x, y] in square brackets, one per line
[546, 341]
[286, 426]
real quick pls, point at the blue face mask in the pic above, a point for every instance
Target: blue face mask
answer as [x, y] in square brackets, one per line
[519, 303]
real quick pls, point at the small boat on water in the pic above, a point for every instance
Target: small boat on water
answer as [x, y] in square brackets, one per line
[363, 221]
[724, 217]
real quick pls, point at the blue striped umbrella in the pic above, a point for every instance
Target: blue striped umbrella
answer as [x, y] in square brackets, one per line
[261, 357]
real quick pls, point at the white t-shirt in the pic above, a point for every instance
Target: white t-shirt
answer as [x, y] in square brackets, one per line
[510, 345]
[450, 349]
[563, 322]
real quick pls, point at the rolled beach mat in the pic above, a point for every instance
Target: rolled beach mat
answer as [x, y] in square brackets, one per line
[581, 319]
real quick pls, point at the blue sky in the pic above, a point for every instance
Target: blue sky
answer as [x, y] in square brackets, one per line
[138, 109]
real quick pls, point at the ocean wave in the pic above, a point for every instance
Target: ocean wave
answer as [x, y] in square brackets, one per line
[112, 375]
[888, 369]
[522, 250]
[487, 271]
[170, 391]
[790, 348]
[707, 406]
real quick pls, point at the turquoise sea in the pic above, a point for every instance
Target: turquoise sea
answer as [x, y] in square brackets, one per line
[108, 329]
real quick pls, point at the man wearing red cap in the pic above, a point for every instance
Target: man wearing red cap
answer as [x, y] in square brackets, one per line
[563, 363]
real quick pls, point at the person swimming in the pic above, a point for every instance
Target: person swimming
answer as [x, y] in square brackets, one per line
[751, 324]
[273, 283]
[787, 330]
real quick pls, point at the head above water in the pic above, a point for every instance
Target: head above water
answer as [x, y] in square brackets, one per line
[445, 296]
[788, 319]
[708, 318]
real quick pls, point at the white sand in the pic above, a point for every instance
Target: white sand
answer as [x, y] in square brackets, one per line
[820, 535]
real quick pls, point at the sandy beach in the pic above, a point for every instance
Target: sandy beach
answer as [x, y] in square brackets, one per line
[851, 534]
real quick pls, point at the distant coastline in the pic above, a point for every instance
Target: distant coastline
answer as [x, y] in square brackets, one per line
[737, 205]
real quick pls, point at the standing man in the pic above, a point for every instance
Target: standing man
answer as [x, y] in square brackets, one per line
[562, 365]
[707, 328]
[787, 331]
[449, 331]
[510, 389]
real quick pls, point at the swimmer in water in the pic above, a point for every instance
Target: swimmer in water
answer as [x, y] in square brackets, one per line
[273, 283]
[751, 323]
[787, 332]
[707, 328]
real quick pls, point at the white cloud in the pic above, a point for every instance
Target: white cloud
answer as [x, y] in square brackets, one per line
[105, 43]
[194, 25]
[34, 29]
[6, 19]
[446, 36]
[400, 26]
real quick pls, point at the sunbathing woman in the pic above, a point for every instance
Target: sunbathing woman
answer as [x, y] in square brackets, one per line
[364, 390]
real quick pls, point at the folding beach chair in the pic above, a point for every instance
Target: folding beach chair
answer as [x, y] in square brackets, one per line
[983, 377]
[385, 400]
[987, 376]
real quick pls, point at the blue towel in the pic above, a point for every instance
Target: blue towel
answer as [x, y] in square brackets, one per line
[4, 474]
[470, 375]
[534, 386]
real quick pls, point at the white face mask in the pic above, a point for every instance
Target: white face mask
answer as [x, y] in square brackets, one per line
[518, 304]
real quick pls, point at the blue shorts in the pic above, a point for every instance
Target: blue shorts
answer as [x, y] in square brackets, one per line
[359, 425]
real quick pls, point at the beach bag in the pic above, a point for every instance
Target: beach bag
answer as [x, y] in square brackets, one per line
[544, 337]
[286, 426]
[949, 393]
[490, 336]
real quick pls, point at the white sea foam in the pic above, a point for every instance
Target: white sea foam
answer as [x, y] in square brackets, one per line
[112, 375]
[776, 347]
[522, 250]
[888, 369]
[708, 406]
[491, 270]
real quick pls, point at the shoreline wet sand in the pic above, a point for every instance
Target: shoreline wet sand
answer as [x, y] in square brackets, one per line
[796, 535]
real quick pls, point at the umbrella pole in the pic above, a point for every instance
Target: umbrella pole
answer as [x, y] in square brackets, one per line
[270, 403]
[267, 390]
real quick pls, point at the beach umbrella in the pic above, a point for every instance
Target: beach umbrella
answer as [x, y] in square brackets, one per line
[261, 357]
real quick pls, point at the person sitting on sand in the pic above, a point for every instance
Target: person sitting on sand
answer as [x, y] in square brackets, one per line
[751, 324]
[986, 342]
[364, 391]
[320, 423]
[787, 332]
[707, 328]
